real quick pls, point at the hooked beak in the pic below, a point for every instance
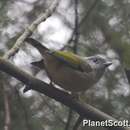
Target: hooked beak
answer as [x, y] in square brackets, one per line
[107, 64]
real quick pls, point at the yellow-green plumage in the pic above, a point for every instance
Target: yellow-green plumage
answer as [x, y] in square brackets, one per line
[68, 58]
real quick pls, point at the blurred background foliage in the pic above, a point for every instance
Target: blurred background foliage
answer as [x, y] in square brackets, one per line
[103, 29]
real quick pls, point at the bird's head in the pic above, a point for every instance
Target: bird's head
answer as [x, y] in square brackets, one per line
[98, 64]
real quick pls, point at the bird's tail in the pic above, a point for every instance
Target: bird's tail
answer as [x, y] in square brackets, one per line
[39, 64]
[37, 45]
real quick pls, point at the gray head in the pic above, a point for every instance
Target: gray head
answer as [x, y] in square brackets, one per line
[98, 64]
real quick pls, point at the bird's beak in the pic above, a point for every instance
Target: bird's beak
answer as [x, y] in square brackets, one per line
[107, 64]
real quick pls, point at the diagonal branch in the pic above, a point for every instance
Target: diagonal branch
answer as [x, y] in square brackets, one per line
[31, 28]
[85, 110]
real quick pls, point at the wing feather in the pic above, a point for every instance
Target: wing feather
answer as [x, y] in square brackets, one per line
[72, 60]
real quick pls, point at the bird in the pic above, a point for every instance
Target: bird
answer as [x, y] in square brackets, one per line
[69, 71]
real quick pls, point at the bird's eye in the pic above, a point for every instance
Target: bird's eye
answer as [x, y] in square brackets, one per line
[95, 60]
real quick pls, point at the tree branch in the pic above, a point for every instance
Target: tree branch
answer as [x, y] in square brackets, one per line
[85, 110]
[30, 29]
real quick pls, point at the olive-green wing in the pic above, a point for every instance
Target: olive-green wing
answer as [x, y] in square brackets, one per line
[72, 60]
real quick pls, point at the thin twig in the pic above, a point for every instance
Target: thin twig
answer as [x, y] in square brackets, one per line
[25, 113]
[30, 29]
[76, 30]
[85, 18]
[78, 122]
[7, 125]
[70, 115]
